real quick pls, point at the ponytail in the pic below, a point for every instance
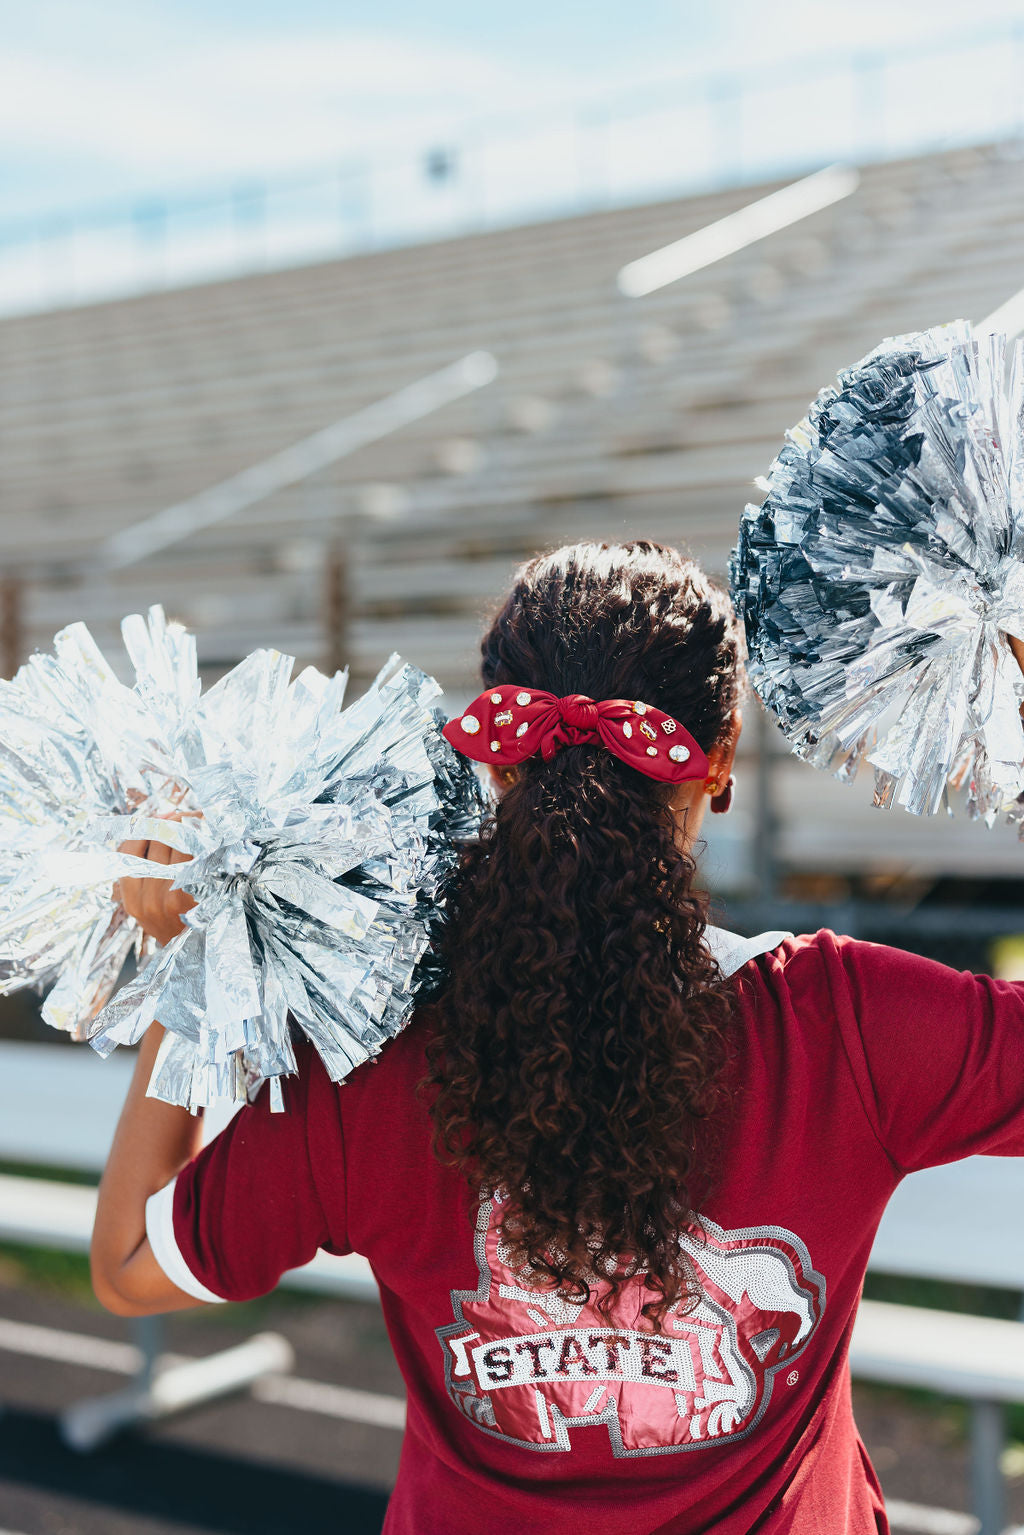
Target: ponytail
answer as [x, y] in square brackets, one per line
[580, 1039]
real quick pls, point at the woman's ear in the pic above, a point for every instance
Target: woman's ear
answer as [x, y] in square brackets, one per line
[501, 777]
[723, 754]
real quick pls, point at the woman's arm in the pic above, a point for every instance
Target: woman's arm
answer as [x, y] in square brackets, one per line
[153, 1143]
[154, 1140]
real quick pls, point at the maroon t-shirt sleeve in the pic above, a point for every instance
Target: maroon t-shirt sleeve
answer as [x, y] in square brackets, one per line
[247, 1208]
[937, 1054]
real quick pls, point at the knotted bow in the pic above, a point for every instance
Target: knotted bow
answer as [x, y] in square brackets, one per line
[507, 724]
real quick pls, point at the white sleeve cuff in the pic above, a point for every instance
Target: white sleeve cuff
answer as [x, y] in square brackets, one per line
[160, 1230]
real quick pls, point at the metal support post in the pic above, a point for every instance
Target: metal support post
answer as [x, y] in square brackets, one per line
[149, 1339]
[168, 1386]
[765, 835]
[988, 1492]
[337, 608]
[725, 109]
[870, 105]
[11, 624]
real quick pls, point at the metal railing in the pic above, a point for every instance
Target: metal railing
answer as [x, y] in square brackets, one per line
[308, 457]
[678, 136]
[314, 453]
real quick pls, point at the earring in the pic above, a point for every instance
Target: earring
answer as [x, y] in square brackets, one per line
[721, 799]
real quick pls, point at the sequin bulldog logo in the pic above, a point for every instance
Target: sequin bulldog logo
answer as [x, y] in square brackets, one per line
[528, 1366]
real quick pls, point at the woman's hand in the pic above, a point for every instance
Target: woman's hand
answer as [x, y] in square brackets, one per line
[156, 907]
[1017, 647]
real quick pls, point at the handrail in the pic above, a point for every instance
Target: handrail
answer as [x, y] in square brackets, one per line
[298, 462]
[1008, 318]
[686, 133]
[745, 227]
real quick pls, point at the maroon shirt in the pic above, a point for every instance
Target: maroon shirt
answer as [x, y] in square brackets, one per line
[528, 1414]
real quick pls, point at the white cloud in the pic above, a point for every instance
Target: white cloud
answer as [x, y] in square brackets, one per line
[187, 107]
[794, 29]
[114, 96]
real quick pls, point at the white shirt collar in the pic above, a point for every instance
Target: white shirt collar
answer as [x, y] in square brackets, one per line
[731, 952]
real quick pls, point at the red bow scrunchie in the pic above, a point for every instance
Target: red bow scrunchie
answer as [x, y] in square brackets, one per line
[507, 724]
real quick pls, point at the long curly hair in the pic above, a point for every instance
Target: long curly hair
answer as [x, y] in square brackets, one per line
[579, 1042]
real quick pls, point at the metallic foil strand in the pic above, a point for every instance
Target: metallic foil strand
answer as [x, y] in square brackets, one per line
[880, 576]
[320, 839]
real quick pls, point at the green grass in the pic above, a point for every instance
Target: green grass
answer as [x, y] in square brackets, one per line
[976, 1300]
[55, 1174]
[47, 1271]
[66, 1275]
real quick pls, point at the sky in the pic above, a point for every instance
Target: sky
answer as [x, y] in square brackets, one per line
[104, 100]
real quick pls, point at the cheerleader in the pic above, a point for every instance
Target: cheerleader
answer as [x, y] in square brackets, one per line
[619, 1183]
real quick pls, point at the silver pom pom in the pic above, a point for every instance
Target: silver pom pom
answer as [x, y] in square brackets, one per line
[320, 841]
[881, 575]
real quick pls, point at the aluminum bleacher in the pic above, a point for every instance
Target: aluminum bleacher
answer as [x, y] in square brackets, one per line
[610, 417]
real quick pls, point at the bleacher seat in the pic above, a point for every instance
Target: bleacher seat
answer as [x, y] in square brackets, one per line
[610, 417]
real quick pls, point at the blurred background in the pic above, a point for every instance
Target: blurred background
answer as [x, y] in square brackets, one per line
[315, 323]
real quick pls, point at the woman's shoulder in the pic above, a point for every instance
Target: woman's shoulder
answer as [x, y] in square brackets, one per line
[396, 1071]
[773, 952]
[819, 967]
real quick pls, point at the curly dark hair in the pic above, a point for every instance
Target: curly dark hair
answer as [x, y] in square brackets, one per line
[580, 1039]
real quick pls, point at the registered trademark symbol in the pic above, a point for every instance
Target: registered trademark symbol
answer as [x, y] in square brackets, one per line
[792, 1377]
